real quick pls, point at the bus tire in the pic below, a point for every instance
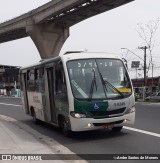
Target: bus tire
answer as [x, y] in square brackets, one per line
[117, 129]
[35, 120]
[64, 127]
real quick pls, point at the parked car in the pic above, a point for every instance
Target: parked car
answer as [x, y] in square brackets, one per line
[155, 97]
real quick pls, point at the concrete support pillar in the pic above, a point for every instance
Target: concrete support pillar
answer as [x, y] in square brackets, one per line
[48, 38]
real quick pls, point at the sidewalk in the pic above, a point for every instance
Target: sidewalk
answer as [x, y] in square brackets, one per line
[18, 138]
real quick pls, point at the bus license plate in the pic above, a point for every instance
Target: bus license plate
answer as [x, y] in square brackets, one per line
[110, 126]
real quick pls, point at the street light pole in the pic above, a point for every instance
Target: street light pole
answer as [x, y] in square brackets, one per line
[133, 53]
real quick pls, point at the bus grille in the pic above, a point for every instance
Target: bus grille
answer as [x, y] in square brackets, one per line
[112, 123]
[107, 113]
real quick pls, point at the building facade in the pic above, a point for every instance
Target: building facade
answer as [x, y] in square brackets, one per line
[9, 79]
[152, 84]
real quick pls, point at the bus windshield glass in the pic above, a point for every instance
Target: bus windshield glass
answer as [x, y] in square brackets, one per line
[99, 79]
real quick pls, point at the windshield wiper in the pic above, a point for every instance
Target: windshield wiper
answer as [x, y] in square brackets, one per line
[104, 82]
[93, 84]
[113, 87]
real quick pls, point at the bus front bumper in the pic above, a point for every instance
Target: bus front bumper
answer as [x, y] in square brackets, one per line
[86, 124]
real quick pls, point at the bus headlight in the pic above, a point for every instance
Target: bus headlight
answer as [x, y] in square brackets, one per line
[130, 110]
[77, 115]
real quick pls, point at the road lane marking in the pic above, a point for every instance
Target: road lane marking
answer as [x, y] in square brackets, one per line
[142, 131]
[10, 104]
[125, 127]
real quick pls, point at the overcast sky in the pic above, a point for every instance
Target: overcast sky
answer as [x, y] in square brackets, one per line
[107, 32]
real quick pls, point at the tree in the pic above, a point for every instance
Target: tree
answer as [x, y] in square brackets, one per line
[147, 33]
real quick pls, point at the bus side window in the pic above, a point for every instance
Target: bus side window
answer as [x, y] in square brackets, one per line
[27, 83]
[60, 79]
[39, 80]
[31, 80]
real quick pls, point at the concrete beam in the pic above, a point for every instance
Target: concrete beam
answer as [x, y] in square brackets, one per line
[48, 38]
[48, 25]
[48, 11]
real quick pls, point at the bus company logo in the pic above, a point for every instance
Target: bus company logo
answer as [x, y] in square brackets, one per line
[96, 107]
[6, 157]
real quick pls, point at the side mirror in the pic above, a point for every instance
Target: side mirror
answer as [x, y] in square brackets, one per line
[125, 62]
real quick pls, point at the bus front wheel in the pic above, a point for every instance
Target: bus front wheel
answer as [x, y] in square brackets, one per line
[117, 129]
[64, 127]
[35, 120]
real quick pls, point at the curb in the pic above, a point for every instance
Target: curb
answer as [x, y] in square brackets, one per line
[48, 145]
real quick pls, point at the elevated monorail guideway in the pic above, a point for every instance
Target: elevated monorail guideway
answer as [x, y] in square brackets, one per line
[48, 25]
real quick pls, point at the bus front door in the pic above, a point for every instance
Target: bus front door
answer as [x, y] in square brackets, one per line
[25, 96]
[51, 84]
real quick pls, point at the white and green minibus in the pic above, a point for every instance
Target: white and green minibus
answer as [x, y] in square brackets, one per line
[79, 91]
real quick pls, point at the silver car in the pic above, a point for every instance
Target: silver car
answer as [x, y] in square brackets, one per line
[155, 97]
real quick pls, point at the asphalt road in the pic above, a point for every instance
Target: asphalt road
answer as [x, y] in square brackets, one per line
[145, 140]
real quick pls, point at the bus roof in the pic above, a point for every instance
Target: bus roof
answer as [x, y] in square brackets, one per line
[82, 55]
[73, 55]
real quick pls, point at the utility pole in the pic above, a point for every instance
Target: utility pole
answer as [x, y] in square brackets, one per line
[144, 48]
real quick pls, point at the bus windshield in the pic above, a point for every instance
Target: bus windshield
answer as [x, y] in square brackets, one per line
[99, 79]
